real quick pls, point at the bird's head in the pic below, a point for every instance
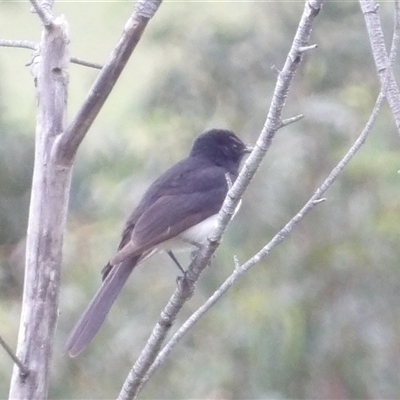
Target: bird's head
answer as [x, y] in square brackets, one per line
[220, 146]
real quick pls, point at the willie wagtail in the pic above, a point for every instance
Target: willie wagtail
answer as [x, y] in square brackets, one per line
[181, 206]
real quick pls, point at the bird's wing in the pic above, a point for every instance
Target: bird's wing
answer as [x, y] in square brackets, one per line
[169, 216]
[186, 194]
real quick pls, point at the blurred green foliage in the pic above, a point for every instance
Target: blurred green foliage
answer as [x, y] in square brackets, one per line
[318, 318]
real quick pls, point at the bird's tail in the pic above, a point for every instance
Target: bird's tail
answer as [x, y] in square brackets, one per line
[93, 317]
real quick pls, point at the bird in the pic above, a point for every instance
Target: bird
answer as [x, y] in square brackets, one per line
[180, 208]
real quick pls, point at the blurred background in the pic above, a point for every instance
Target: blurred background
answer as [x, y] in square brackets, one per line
[319, 317]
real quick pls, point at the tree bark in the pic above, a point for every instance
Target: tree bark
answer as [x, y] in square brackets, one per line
[47, 215]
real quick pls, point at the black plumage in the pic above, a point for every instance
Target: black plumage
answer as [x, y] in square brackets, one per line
[177, 208]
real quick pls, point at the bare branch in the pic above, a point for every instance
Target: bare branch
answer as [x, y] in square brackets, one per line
[106, 80]
[319, 201]
[396, 33]
[291, 120]
[26, 44]
[275, 70]
[134, 381]
[44, 13]
[85, 63]
[7, 348]
[303, 49]
[375, 33]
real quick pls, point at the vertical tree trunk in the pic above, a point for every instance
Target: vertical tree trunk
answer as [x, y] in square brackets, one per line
[49, 199]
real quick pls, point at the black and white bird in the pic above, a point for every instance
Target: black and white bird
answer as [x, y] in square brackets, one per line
[180, 207]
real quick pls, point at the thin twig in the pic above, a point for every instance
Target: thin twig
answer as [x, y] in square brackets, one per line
[307, 48]
[396, 33]
[291, 120]
[377, 42]
[26, 44]
[24, 371]
[275, 70]
[23, 44]
[317, 201]
[89, 64]
[45, 16]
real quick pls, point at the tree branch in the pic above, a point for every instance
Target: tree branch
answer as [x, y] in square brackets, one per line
[47, 216]
[375, 33]
[291, 120]
[134, 380]
[23, 44]
[26, 44]
[44, 12]
[307, 48]
[7, 348]
[74, 134]
[90, 64]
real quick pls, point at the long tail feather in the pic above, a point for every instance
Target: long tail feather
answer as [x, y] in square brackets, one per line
[93, 317]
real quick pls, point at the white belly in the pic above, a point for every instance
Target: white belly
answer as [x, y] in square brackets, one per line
[194, 236]
[199, 233]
